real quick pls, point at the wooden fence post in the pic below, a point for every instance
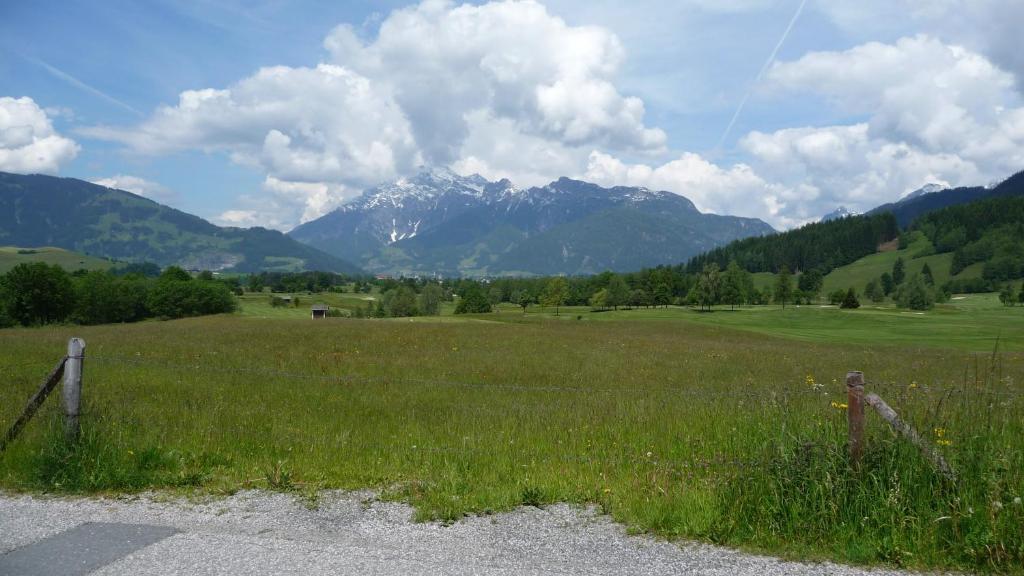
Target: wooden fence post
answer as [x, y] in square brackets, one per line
[34, 403]
[855, 415]
[72, 391]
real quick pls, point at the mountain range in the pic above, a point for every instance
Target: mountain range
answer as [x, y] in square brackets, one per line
[433, 223]
[841, 212]
[67, 213]
[438, 222]
[935, 196]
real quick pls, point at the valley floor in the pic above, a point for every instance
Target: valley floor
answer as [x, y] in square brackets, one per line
[724, 427]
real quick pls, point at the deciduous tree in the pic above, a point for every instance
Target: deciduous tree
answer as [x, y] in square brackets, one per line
[783, 286]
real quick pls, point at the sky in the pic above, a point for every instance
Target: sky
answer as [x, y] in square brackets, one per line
[273, 113]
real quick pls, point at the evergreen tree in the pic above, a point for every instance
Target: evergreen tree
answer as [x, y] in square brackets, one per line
[874, 291]
[1020, 297]
[926, 273]
[887, 283]
[898, 272]
[1006, 295]
[783, 286]
[850, 301]
[915, 295]
[811, 283]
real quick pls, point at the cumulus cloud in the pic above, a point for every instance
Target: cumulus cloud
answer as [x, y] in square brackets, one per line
[934, 113]
[734, 190]
[140, 186]
[322, 124]
[28, 142]
[823, 167]
[989, 26]
[433, 83]
[918, 90]
[513, 59]
[285, 203]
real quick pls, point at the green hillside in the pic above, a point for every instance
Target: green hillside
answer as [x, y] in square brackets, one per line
[871, 267]
[75, 215]
[11, 256]
[858, 273]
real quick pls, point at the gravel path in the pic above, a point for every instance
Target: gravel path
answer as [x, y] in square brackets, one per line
[352, 533]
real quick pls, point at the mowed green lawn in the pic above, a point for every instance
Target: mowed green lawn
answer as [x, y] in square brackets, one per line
[969, 322]
[723, 426]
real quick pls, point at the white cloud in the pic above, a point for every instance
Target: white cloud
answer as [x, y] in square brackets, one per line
[918, 90]
[512, 59]
[28, 142]
[933, 113]
[430, 87]
[140, 186]
[824, 167]
[297, 124]
[735, 190]
[285, 203]
[989, 26]
[495, 149]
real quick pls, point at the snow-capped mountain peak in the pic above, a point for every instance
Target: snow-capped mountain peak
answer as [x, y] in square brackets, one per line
[841, 212]
[926, 189]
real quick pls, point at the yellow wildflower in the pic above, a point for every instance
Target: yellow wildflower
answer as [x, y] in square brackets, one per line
[839, 405]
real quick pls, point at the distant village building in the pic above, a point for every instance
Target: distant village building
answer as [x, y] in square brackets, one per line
[319, 311]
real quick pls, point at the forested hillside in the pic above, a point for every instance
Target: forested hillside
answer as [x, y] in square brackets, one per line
[989, 232]
[910, 209]
[820, 246]
[38, 210]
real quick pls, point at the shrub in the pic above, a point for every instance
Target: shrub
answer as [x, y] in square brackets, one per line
[850, 301]
[915, 295]
[38, 294]
[968, 286]
[473, 301]
[104, 298]
[836, 298]
[175, 298]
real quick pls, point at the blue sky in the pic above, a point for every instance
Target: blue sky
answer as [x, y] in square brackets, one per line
[865, 101]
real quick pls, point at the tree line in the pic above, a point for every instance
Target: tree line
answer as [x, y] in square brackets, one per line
[988, 231]
[821, 246]
[34, 294]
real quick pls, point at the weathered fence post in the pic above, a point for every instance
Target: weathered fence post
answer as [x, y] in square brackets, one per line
[73, 387]
[855, 415]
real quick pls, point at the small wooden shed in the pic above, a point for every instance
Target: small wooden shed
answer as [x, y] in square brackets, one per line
[319, 311]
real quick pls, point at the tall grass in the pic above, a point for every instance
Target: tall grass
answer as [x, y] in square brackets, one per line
[680, 429]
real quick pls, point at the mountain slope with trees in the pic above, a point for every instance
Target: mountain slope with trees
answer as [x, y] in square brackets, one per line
[821, 246]
[440, 223]
[39, 210]
[926, 200]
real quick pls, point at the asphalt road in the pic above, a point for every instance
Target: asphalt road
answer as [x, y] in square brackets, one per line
[349, 533]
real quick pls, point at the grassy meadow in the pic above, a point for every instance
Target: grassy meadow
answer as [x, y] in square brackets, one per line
[11, 256]
[727, 426]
